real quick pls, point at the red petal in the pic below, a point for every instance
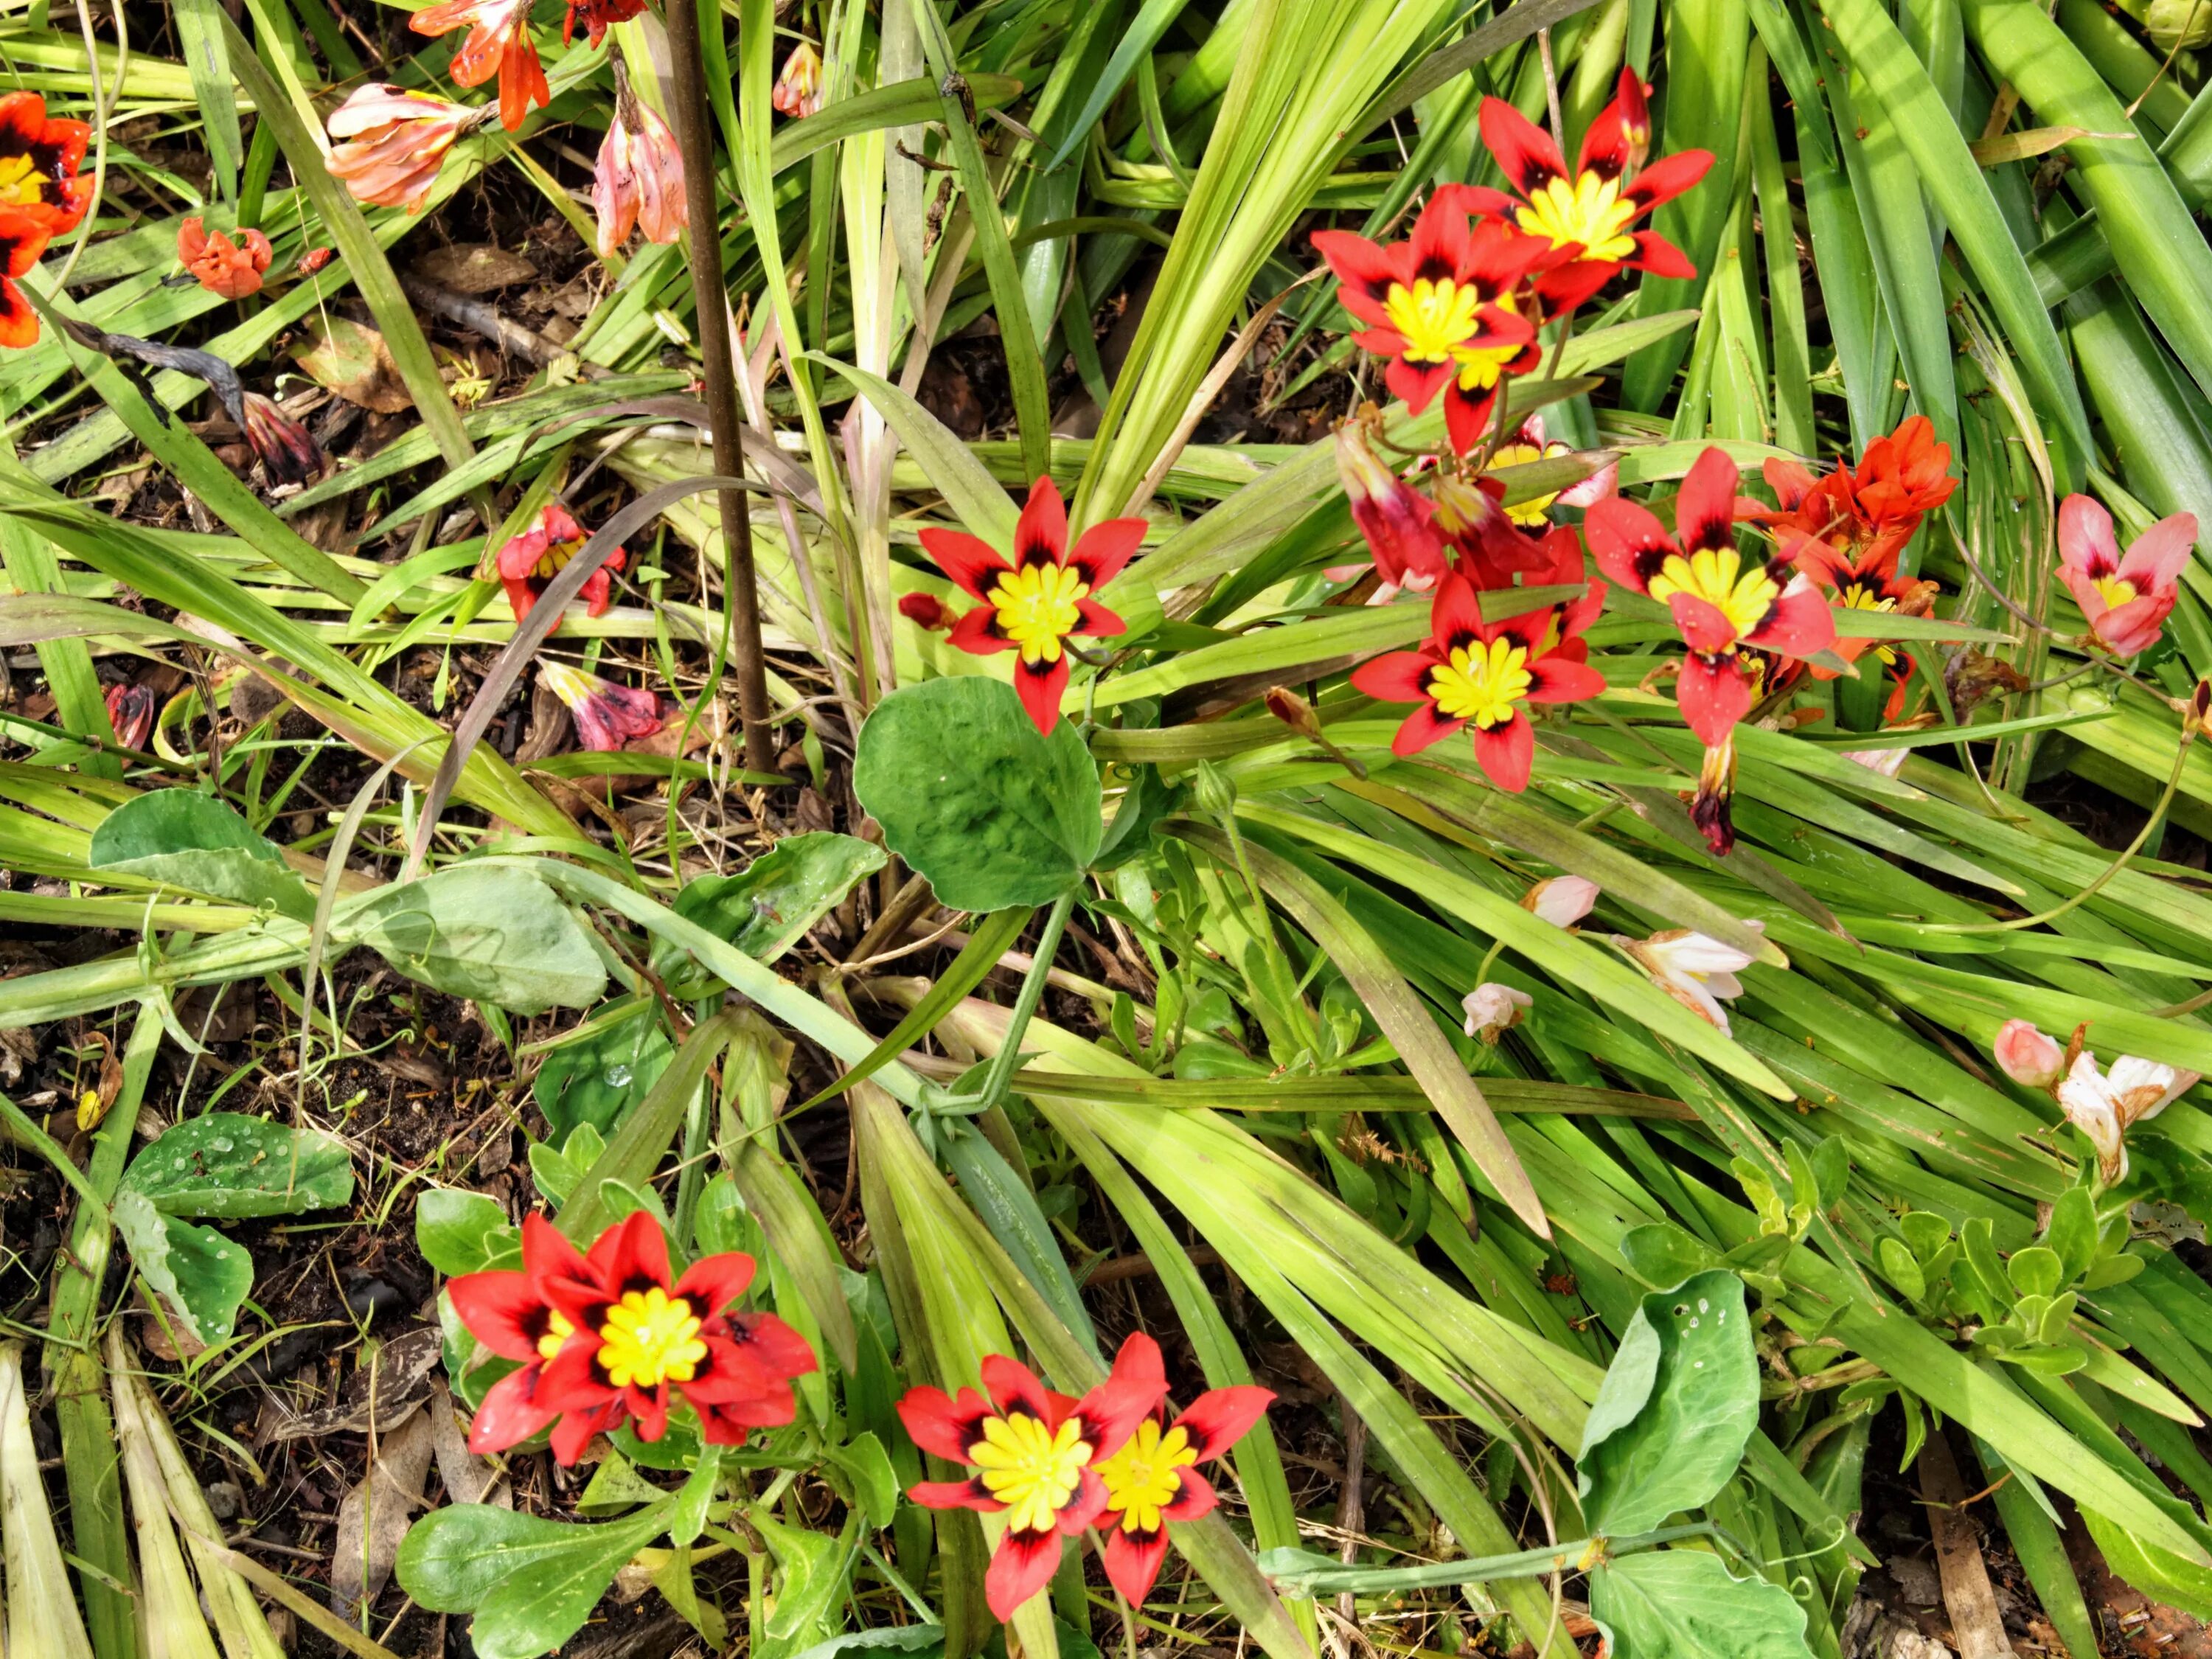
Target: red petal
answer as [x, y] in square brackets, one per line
[1139, 1360]
[1704, 625]
[1400, 677]
[1559, 679]
[1042, 685]
[1423, 726]
[972, 562]
[942, 1425]
[630, 1255]
[1714, 696]
[1095, 620]
[713, 1282]
[574, 1432]
[1088, 1503]
[1790, 481]
[1195, 1496]
[1799, 624]
[1628, 543]
[1455, 617]
[1523, 151]
[1704, 512]
[1219, 1418]
[572, 1382]
[1659, 257]
[1041, 535]
[1364, 271]
[1477, 200]
[2160, 554]
[1506, 752]
[503, 1310]
[1105, 548]
[954, 1495]
[1417, 383]
[1013, 1387]
[1110, 1413]
[1466, 416]
[1022, 1565]
[510, 1414]
[976, 632]
[1669, 177]
[1133, 1563]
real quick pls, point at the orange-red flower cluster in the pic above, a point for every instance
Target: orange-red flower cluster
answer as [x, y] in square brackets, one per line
[394, 142]
[232, 268]
[42, 194]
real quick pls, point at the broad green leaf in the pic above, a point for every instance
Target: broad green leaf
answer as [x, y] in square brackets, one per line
[491, 933]
[1680, 1399]
[598, 1076]
[2159, 1574]
[227, 1164]
[183, 839]
[460, 1232]
[203, 1276]
[768, 906]
[972, 797]
[531, 1583]
[1684, 1604]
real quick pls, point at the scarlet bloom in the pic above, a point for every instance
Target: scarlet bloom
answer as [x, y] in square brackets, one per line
[1154, 1480]
[1483, 674]
[1904, 476]
[395, 141]
[499, 44]
[1720, 604]
[606, 715]
[1445, 306]
[230, 268]
[313, 260]
[40, 155]
[597, 18]
[926, 611]
[639, 180]
[1490, 549]
[288, 450]
[1396, 519]
[797, 89]
[1035, 1456]
[1033, 605]
[513, 1314]
[2125, 600]
[23, 238]
[533, 559]
[1588, 216]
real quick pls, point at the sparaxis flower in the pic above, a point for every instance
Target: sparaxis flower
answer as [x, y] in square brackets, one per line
[288, 450]
[1698, 971]
[1531, 444]
[39, 158]
[638, 182]
[1563, 901]
[1396, 520]
[1035, 602]
[512, 1315]
[1720, 603]
[925, 611]
[597, 17]
[232, 268]
[606, 715]
[1493, 1009]
[2126, 599]
[130, 710]
[531, 560]
[23, 238]
[797, 89]
[498, 43]
[393, 142]
[1034, 1454]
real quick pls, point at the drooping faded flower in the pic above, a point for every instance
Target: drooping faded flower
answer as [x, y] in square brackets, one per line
[1035, 1455]
[1709, 808]
[1493, 1009]
[23, 238]
[232, 268]
[925, 611]
[638, 181]
[498, 43]
[597, 17]
[288, 450]
[1563, 901]
[2027, 1056]
[40, 155]
[606, 715]
[2124, 599]
[395, 141]
[1697, 971]
[529, 561]
[1034, 605]
[130, 713]
[797, 89]
[1396, 520]
[2104, 1106]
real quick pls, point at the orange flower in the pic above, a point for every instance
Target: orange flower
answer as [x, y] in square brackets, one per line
[499, 44]
[798, 86]
[395, 141]
[230, 268]
[639, 180]
[39, 160]
[23, 238]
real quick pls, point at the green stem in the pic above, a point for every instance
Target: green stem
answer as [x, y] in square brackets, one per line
[1009, 1055]
[1304, 1573]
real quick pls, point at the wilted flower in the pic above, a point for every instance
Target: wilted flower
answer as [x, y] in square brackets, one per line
[499, 44]
[396, 140]
[1719, 605]
[1491, 550]
[1888, 761]
[2104, 1106]
[606, 715]
[313, 260]
[1035, 604]
[1529, 444]
[1697, 971]
[597, 17]
[40, 155]
[2026, 1055]
[2125, 600]
[639, 179]
[1493, 1009]
[223, 266]
[797, 89]
[926, 611]
[533, 559]
[131, 714]
[1035, 1454]
[23, 238]
[1563, 901]
[288, 450]
[1395, 518]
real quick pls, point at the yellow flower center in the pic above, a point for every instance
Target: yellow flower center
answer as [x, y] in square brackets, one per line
[558, 1330]
[1718, 577]
[19, 180]
[1142, 1476]
[1528, 512]
[1432, 316]
[1857, 597]
[1038, 607]
[1590, 211]
[650, 1337]
[2115, 589]
[556, 554]
[1481, 367]
[1031, 1469]
[1481, 683]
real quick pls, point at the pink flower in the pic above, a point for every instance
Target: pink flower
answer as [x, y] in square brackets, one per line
[1563, 901]
[639, 180]
[395, 141]
[2125, 600]
[1396, 519]
[798, 86]
[1493, 1009]
[531, 560]
[607, 715]
[2026, 1056]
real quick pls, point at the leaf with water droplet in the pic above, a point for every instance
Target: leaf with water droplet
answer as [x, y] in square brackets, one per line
[227, 1164]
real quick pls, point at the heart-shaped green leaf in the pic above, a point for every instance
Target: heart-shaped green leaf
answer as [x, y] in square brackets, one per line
[488, 931]
[196, 842]
[767, 907]
[1684, 1604]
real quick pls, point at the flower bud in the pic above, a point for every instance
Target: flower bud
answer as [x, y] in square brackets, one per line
[288, 450]
[798, 86]
[2026, 1056]
[1294, 711]
[1396, 520]
[1493, 1009]
[926, 611]
[1563, 901]
[1216, 790]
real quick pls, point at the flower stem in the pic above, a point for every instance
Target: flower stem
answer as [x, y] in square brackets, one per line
[694, 136]
[1009, 1055]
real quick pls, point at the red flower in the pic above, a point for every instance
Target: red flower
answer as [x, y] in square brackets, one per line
[638, 182]
[797, 89]
[1445, 307]
[926, 611]
[2125, 601]
[1491, 550]
[397, 139]
[288, 450]
[1396, 519]
[512, 1315]
[230, 268]
[639, 1338]
[533, 559]
[39, 156]
[1904, 476]
[499, 44]
[130, 713]
[313, 259]
[1863, 518]
[597, 18]
[606, 715]
[1154, 1480]
[1719, 603]
[23, 238]
[1034, 1453]
[1035, 604]
[1591, 212]
[1483, 674]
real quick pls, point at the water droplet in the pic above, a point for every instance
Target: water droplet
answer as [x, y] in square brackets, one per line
[1703, 1304]
[220, 1143]
[618, 1077]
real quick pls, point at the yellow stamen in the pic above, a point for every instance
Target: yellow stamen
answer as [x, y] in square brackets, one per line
[1857, 597]
[1529, 513]
[1141, 1477]
[651, 1337]
[19, 180]
[2115, 589]
[1481, 683]
[1590, 211]
[1038, 607]
[1481, 367]
[1433, 317]
[558, 1330]
[556, 554]
[1033, 1470]
[1718, 577]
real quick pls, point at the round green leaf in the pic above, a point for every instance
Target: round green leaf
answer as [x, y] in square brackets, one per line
[196, 842]
[488, 931]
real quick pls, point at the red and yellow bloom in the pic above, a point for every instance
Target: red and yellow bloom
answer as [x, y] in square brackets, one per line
[498, 43]
[1034, 1454]
[1484, 675]
[1721, 604]
[1589, 216]
[232, 268]
[511, 1314]
[2124, 599]
[23, 238]
[40, 155]
[530, 560]
[1035, 603]
[798, 90]
[1531, 444]
[394, 142]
